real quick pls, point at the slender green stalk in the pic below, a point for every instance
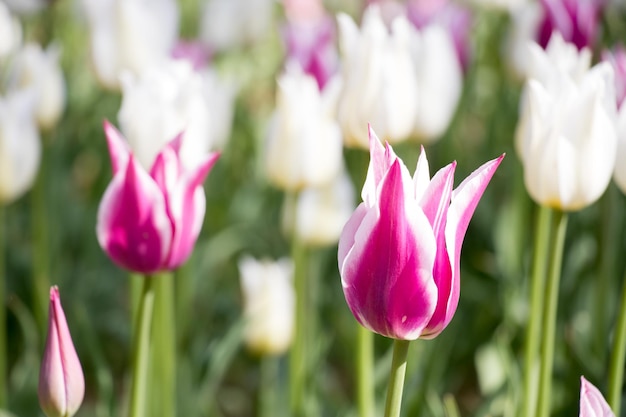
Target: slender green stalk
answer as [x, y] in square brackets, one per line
[616, 365]
[396, 378]
[141, 350]
[3, 315]
[163, 348]
[365, 372]
[184, 289]
[549, 319]
[537, 288]
[268, 386]
[41, 258]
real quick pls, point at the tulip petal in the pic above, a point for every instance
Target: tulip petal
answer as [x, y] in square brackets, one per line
[118, 147]
[387, 273]
[464, 200]
[421, 178]
[61, 381]
[133, 226]
[592, 403]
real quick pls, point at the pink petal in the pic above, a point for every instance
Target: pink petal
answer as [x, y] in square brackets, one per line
[381, 159]
[464, 201]
[118, 147]
[592, 403]
[186, 208]
[133, 227]
[61, 381]
[387, 273]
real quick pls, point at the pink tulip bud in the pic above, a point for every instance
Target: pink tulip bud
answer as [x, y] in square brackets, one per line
[399, 254]
[61, 381]
[576, 20]
[592, 403]
[148, 222]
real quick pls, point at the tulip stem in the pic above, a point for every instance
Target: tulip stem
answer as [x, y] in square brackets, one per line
[268, 385]
[616, 365]
[396, 378]
[3, 315]
[163, 347]
[365, 368]
[41, 280]
[559, 226]
[141, 350]
[537, 287]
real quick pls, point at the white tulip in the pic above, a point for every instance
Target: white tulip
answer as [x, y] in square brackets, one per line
[130, 35]
[39, 69]
[228, 24]
[524, 25]
[10, 32]
[166, 100]
[380, 81]
[321, 212]
[439, 81]
[566, 135]
[304, 145]
[20, 145]
[269, 304]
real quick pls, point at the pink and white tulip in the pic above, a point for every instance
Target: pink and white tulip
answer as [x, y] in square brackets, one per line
[399, 254]
[592, 403]
[149, 221]
[61, 380]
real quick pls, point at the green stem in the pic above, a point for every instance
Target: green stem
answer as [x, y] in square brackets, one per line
[3, 315]
[141, 350]
[559, 226]
[396, 378]
[616, 366]
[41, 280]
[163, 347]
[365, 376]
[537, 288]
[268, 386]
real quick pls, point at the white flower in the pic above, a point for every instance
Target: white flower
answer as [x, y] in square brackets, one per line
[269, 303]
[304, 146]
[10, 32]
[379, 76]
[524, 25]
[39, 69]
[228, 24]
[166, 100]
[439, 81]
[20, 145]
[321, 212]
[130, 35]
[566, 135]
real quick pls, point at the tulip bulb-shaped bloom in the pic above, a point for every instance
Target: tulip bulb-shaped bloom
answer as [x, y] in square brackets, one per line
[61, 381]
[39, 69]
[130, 35]
[304, 146]
[20, 145]
[399, 254]
[592, 403]
[170, 98]
[148, 222]
[379, 78]
[566, 135]
[269, 303]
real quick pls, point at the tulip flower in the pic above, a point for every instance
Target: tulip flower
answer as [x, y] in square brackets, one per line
[566, 135]
[320, 212]
[228, 24]
[304, 145]
[164, 100]
[617, 59]
[149, 222]
[379, 78]
[399, 254]
[61, 381]
[39, 69]
[10, 32]
[269, 303]
[130, 35]
[20, 144]
[592, 403]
